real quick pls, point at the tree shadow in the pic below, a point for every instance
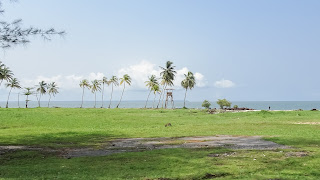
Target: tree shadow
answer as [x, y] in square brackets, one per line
[62, 139]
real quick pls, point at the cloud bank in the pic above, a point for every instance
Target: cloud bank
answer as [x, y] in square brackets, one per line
[224, 84]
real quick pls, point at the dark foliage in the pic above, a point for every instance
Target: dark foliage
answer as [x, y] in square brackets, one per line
[12, 33]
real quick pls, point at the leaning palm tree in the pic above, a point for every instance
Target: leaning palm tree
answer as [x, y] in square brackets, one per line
[155, 89]
[41, 89]
[188, 83]
[27, 93]
[84, 84]
[52, 90]
[2, 66]
[167, 75]
[150, 83]
[103, 81]
[5, 74]
[114, 82]
[94, 88]
[125, 79]
[13, 83]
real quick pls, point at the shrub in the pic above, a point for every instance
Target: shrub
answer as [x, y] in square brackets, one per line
[223, 103]
[235, 107]
[206, 104]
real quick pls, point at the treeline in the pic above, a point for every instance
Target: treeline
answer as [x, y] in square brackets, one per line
[13, 83]
[156, 85]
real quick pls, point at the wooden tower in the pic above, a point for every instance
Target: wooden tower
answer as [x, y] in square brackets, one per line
[169, 96]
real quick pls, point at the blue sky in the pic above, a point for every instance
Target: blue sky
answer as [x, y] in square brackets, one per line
[240, 50]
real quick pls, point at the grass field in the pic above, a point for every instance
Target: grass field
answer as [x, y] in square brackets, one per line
[72, 128]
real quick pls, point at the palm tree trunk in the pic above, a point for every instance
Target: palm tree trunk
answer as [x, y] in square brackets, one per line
[147, 99]
[124, 86]
[39, 100]
[111, 96]
[102, 94]
[163, 95]
[1, 82]
[160, 96]
[8, 98]
[49, 99]
[185, 95]
[154, 99]
[27, 102]
[18, 100]
[82, 97]
[95, 99]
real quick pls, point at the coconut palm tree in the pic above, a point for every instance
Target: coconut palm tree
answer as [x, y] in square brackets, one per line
[150, 83]
[103, 81]
[155, 89]
[126, 79]
[188, 83]
[5, 74]
[167, 75]
[13, 83]
[27, 93]
[84, 84]
[94, 88]
[114, 82]
[42, 90]
[52, 90]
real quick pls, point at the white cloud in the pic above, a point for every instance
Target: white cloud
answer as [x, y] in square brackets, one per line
[140, 73]
[93, 76]
[224, 84]
[200, 80]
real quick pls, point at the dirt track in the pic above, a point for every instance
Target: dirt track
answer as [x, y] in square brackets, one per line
[147, 144]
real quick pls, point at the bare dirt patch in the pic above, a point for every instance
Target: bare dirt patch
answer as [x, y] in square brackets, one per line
[147, 144]
[297, 154]
[312, 123]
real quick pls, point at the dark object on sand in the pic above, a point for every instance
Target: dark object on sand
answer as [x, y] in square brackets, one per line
[269, 108]
[167, 125]
[233, 109]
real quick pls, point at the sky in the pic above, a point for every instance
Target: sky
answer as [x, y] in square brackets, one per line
[245, 50]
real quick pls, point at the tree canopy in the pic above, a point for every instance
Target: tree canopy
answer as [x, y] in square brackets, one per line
[223, 103]
[12, 33]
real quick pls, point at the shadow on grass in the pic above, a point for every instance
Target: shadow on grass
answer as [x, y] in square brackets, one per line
[157, 164]
[61, 140]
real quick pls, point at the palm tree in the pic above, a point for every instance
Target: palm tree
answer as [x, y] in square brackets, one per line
[52, 90]
[114, 82]
[152, 81]
[13, 83]
[84, 84]
[94, 88]
[125, 79]
[41, 89]
[27, 93]
[1, 69]
[188, 82]
[155, 89]
[5, 74]
[168, 75]
[103, 81]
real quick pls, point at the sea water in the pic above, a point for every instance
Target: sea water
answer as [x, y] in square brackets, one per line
[258, 105]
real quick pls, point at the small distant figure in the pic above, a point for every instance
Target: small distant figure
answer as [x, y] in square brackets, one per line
[269, 108]
[167, 125]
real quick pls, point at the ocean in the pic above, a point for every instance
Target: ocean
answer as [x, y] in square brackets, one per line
[258, 105]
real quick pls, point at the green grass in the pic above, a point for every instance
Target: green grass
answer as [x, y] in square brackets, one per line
[63, 128]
